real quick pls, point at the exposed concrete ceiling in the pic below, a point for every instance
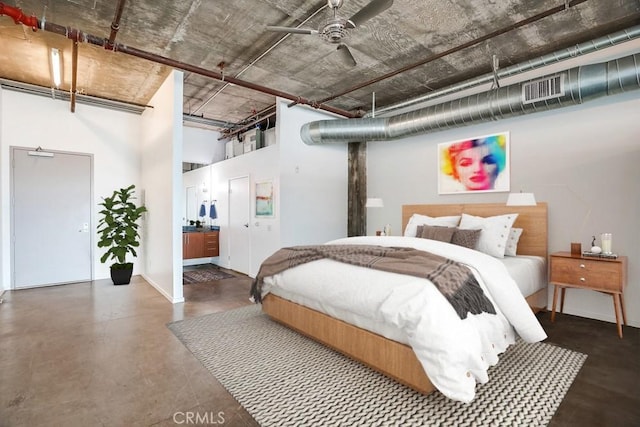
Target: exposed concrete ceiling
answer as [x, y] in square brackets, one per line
[230, 38]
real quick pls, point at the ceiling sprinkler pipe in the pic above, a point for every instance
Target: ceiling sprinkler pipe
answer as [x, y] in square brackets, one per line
[19, 17]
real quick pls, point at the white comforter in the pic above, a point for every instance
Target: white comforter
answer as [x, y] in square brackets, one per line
[455, 353]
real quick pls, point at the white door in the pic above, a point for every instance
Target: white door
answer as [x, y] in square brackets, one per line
[51, 218]
[239, 213]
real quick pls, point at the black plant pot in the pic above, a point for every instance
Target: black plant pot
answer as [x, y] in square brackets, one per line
[121, 273]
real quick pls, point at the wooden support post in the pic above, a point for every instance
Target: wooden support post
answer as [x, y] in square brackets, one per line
[357, 191]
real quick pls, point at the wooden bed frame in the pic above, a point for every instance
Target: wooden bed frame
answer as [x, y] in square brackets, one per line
[391, 358]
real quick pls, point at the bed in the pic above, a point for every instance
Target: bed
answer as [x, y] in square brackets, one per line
[381, 348]
[533, 241]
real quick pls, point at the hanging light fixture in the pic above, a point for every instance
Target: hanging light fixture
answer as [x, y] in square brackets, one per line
[56, 67]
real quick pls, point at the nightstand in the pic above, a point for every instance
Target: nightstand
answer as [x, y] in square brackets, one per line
[599, 274]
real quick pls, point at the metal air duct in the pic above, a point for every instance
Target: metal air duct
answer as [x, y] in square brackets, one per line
[561, 89]
[580, 49]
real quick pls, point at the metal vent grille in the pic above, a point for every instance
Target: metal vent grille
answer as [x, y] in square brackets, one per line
[539, 90]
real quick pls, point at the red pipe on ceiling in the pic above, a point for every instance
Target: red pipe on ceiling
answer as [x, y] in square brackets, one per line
[19, 17]
[74, 75]
[80, 36]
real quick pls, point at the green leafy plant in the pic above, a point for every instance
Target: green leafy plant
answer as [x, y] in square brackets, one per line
[118, 228]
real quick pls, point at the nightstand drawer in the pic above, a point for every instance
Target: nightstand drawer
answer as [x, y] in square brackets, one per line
[590, 274]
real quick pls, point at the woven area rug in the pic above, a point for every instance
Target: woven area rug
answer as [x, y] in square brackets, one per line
[285, 379]
[204, 274]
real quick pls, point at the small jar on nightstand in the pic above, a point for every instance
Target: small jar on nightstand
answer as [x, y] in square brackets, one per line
[607, 275]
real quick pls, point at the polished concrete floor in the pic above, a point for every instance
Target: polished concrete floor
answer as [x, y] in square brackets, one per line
[94, 354]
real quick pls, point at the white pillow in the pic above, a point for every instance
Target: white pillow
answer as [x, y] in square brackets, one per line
[512, 242]
[417, 219]
[495, 232]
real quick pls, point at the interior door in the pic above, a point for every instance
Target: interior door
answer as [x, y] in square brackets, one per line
[239, 232]
[51, 218]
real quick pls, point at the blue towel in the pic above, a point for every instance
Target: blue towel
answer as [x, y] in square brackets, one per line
[213, 214]
[203, 210]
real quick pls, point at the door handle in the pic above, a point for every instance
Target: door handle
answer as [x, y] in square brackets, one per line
[247, 225]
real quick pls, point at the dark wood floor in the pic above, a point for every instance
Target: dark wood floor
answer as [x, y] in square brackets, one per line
[606, 391]
[94, 354]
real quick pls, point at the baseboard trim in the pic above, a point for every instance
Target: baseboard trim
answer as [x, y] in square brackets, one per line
[162, 291]
[199, 261]
[632, 322]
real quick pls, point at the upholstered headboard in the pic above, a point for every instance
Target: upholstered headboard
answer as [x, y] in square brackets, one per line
[532, 219]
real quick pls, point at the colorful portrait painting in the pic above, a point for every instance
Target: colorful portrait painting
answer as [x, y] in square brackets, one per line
[479, 164]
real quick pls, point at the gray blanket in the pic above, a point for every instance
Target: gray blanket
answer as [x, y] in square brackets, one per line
[454, 280]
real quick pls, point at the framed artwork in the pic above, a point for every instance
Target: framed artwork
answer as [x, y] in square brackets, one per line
[474, 165]
[264, 199]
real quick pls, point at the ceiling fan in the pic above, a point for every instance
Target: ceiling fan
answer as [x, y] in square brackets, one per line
[335, 29]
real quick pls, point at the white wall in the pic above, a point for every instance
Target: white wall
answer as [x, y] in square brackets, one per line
[201, 146]
[200, 179]
[5, 221]
[162, 182]
[310, 189]
[313, 181]
[581, 160]
[111, 136]
[258, 165]
[128, 149]
[264, 233]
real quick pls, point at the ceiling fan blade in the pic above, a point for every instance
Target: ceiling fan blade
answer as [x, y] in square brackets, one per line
[346, 55]
[368, 12]
[292, 30]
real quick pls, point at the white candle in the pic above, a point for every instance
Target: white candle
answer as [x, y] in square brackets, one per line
[606, 239]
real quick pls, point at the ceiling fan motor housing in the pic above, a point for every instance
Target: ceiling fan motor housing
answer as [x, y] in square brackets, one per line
[334, 31]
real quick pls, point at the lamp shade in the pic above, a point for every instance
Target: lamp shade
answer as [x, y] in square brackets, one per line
[374, 203]
[521, 199]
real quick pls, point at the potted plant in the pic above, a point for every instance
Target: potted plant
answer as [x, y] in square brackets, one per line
[118, 230]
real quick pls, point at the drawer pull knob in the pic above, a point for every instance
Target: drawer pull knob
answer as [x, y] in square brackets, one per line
[582, 279]
[582, 266]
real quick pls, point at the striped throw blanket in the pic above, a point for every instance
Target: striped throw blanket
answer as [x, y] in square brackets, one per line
[454, 280]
